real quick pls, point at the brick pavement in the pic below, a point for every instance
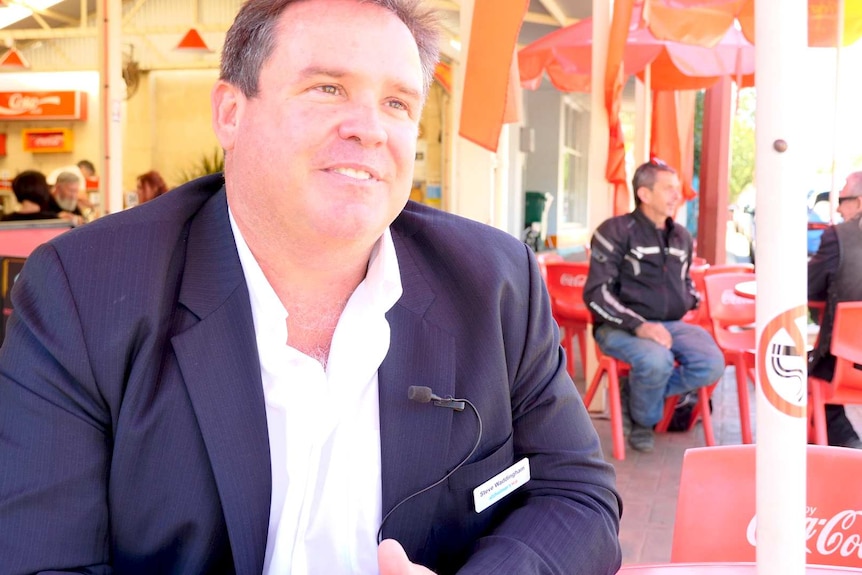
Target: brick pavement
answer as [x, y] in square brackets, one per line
[648, 483]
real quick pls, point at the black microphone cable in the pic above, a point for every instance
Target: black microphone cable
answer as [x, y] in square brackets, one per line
[423, 394]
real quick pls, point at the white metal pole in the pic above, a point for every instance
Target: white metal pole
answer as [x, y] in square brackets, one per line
[781, 285]
[111, 103]
[836, 112]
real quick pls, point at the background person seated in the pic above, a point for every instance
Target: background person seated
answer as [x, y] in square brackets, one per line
[150, 186]
[64, 198]
[834, 276]
[637, 290]
[84, 203]
[33, 195]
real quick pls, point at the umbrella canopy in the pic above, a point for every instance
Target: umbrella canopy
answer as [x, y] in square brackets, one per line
[565, 55]
[705, 21]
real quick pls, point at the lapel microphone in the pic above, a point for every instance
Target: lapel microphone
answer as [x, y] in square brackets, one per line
[423, 394]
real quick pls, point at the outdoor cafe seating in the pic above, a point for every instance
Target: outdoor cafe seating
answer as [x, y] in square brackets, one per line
[565, 282]
[614, 369]
[715, 514]
[846, 384]
[732, 317]
[17, 241]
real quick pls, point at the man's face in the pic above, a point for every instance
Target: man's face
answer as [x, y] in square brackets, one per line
[67, 195]
[849, 207]
[662, 201]
[324, 153]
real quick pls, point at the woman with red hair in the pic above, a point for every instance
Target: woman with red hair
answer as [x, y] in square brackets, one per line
[150, 185]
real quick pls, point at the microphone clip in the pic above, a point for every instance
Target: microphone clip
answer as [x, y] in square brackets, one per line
[450, 402]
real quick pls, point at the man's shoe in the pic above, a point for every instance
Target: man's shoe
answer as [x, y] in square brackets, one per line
[855, 443]
[686, 399]
[642, 438]
[624, 406]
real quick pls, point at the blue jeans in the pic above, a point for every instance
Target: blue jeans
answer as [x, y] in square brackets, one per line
[653, 375]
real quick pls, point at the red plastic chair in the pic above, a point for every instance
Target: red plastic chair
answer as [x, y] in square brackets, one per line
[543, 258]
[565, 283]
[729, 269]
[614, 369]
[846, 385]
[732, 317]
[700, 315]
[716, 505]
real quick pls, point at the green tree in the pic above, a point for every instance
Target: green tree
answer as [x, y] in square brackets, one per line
[742, 143]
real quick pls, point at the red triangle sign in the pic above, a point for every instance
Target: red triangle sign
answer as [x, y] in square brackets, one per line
[193, 42]
[13, 59]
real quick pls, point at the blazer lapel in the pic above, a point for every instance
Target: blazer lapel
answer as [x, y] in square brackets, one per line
[219, 362]
[414, 437]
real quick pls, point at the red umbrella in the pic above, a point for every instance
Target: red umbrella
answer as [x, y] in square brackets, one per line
[565, 55]
[704, 21]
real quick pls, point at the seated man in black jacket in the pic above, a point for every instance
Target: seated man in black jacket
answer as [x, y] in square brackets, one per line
[638, 290]
[834, 275]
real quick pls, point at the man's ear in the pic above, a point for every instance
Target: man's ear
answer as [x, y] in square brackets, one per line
[641, 192]
[227, 102]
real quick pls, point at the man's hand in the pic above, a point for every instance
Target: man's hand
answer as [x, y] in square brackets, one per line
[656, 332]
[392, 560]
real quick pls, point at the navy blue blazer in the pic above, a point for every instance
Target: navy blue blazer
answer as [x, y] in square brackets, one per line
[133, 432]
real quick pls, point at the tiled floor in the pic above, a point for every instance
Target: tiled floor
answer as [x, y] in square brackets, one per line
[648, 483]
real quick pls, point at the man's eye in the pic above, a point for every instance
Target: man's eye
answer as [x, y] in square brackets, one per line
[328, 89]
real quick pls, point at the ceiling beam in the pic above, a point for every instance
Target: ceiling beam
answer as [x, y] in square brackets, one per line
[45, 12]
[556, 11]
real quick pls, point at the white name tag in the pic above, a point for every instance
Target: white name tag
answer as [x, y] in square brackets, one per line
[501, 485]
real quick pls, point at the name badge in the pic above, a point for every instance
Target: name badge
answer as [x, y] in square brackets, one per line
[501, 485]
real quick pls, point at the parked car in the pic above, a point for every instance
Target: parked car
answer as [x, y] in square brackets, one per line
[818, 220]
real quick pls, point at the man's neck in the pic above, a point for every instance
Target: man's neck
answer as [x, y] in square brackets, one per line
[659, 219]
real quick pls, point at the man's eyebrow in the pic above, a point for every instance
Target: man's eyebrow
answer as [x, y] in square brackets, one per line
[311, 71]
[408, 91]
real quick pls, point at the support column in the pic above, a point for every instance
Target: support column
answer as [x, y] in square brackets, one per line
[600, 202]
[714, 174]
[783, 136]
[112, 94]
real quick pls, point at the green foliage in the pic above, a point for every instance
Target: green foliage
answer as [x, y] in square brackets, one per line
[208, 163]
[698, 130]
[742, 143]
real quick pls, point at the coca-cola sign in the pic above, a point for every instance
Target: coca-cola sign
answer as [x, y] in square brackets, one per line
[47, 140]
[835, 535]
[64, 105]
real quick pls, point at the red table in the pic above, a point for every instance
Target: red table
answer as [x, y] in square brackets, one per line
[722, 569]
[746, 289]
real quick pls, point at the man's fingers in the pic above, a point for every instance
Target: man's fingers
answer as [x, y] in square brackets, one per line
[392, 560]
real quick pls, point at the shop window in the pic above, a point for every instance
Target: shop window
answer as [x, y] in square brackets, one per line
[573, 163]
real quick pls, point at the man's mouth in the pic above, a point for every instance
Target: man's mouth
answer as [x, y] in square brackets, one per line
[351, 173]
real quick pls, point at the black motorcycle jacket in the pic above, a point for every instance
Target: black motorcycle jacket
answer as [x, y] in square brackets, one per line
[639, 273]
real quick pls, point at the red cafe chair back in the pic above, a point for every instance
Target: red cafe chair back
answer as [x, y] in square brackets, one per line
[565, 281]
[846, 385]
[715, 512]
[732, 317]
[543, 258]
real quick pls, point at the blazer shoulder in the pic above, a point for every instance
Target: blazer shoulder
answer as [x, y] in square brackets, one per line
[160, 220]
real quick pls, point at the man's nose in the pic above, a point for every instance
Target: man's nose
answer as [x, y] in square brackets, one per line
[364, 123]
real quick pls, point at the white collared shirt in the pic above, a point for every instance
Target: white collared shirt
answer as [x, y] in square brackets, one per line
[324, 426]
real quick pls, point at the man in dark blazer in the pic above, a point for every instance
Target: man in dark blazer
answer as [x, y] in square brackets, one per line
[133, 425]
[835, 276]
